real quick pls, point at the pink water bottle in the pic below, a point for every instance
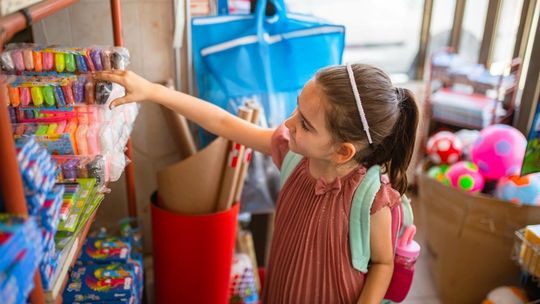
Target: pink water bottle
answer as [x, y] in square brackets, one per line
[408, 249]
[407, 253]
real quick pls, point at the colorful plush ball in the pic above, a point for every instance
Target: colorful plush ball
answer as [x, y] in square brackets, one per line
[520, 190]
[465, 175]
[438, 173]
[499, 151]
[444, 148]
[468, 138]
[506, 295]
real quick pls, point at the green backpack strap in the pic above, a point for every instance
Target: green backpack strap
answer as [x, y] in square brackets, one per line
[359, 218]
[290, 162]
[408, 217]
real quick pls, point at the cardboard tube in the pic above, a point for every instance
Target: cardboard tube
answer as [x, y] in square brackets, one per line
[231, 171]
[247, 155]
[180, 132]
[179, 128]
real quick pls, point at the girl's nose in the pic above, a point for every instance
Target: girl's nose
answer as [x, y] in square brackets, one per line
[289, 123]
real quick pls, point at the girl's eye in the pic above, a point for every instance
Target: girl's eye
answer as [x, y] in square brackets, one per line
[304, 125]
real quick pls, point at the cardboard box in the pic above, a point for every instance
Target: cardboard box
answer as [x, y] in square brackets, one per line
[10, 6]
[470, 238]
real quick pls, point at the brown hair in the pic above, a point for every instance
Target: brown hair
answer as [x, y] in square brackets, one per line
[391, 113]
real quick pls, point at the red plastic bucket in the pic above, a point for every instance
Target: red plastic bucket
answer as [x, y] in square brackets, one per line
[192, 255]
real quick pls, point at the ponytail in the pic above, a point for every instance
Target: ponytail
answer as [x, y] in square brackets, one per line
[403, 140]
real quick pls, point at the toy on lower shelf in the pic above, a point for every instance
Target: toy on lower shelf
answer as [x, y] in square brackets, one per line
[109, 269]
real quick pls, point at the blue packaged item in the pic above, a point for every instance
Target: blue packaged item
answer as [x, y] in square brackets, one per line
[103, 250]
[95, 283]
[11, 243]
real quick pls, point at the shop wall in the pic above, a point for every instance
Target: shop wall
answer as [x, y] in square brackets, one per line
[148, 30]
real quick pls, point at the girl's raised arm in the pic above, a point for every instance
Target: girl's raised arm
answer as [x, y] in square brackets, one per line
[207, 115]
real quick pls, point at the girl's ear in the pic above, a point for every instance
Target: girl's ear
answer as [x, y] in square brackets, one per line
[344, 153]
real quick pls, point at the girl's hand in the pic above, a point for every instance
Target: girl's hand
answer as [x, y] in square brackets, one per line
[137, 88]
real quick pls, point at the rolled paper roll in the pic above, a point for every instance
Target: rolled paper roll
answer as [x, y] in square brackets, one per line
[78, 90]
[103, 91]
[68, 94]
[59, 96]
[95, 54]
[106, 60]
[59, 62]
[70, 62]
[48, 61]
[17, 57]
[37, 96]
[24, 93]
[48, 95]
[28, 59]
[38, 61]
[88, 60]
[89, 91]
[14, 97]
[6, 62]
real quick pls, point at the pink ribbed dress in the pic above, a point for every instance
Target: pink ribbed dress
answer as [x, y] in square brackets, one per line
[310, 259]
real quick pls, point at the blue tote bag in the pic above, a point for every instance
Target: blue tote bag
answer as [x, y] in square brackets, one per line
[264, 59]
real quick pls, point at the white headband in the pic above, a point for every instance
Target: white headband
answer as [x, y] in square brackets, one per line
[359, 103]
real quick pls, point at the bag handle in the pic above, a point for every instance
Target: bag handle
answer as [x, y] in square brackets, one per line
[260, 14]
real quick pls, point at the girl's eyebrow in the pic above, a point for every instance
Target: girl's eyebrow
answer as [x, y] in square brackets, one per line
[302, 115]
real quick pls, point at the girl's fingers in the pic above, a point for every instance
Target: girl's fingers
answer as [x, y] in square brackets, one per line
[119, 101]
[113, 76]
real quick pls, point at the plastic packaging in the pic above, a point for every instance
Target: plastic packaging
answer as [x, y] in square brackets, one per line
[103, 91]
[38, 62]
[6, 62]
[23, 58]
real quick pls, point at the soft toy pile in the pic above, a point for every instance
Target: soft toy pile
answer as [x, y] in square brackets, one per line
[469, 160]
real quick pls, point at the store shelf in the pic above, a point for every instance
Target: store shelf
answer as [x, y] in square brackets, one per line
[10, 179]
[54, 295]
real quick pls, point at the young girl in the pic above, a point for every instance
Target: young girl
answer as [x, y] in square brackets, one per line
[348, 118]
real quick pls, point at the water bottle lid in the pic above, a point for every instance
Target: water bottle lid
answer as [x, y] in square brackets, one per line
[407, 246]
[411, 250]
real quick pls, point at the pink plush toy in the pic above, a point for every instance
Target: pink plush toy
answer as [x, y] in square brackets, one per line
[465, 176]
[499, 151]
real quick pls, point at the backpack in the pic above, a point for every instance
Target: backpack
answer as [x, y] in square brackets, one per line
[359, 225]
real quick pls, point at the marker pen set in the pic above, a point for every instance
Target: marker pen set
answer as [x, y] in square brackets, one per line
[31, 58]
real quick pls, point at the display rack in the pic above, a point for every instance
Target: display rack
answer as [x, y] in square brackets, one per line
[10, 178]
[505, 93]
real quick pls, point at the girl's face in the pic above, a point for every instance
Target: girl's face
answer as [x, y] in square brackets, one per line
[307, 126]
